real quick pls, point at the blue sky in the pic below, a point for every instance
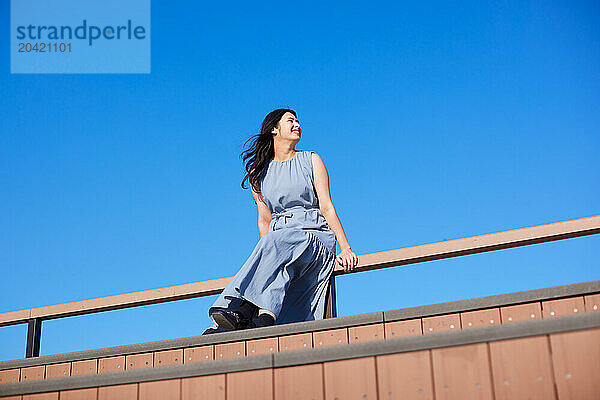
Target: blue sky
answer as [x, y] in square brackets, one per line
[436, 121]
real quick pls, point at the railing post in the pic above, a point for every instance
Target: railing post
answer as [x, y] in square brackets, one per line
[34, 334]
[331, 302]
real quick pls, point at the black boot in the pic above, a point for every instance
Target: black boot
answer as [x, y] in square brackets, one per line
[235, 320]
[247, 309]
[265, 320]
[231, 320]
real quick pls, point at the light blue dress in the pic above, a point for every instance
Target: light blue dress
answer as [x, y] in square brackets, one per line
[288, 271]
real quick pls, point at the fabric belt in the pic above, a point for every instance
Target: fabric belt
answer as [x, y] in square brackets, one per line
[289, 212]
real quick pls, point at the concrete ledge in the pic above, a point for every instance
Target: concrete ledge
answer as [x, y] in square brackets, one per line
[550, 293]
[577, 289]
[310, 356]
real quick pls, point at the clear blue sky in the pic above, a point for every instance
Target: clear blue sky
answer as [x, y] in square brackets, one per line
[436, 121]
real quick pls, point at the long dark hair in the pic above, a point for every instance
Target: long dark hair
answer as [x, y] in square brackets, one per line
[261, 149]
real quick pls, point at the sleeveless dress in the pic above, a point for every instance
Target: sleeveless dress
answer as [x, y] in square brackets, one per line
[288, 271]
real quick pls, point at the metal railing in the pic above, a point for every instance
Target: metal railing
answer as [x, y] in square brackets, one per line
[367, 262]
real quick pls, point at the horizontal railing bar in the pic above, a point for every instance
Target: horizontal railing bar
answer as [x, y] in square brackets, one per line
[478, 244]
[116, 302]
[385, 259]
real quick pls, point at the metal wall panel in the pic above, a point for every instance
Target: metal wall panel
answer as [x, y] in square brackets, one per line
[296, 342]
[462, 372]
[121, 392]
[230, 350]
[203, 387]
[521, 312]
[168, 357]
[302, 382]
[442, 323]
[161, 390]
[111, 364]
[576, 360]
[85, 367]
[58, 370]
[366, 333]
[405, 376]
[560, 307]
[262, 346]
[138, 361]
[10, 375]
[250, 385]
[33, 373]
[411, 327]
[79, 394]
[522, 368]
[330, 338]
[479, 318]
[350, 379]
[197, 354]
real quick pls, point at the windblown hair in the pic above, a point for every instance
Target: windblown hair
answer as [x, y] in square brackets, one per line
[261, 149]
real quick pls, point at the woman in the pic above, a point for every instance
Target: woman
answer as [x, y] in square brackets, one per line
[286, 277]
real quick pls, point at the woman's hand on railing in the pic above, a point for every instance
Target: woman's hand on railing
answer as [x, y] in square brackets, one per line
[347, 259]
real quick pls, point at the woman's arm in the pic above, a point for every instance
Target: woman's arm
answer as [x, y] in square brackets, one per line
[346, 258]
[264, 214]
